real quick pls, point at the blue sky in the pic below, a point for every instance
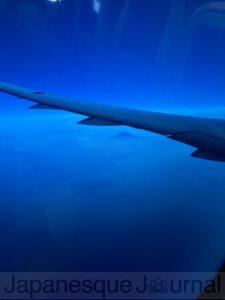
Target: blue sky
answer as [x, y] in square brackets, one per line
[113, 52]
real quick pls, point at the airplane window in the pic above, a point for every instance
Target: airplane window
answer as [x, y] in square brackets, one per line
[111, 197]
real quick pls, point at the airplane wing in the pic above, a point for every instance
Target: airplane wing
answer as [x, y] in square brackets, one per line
[205, 134]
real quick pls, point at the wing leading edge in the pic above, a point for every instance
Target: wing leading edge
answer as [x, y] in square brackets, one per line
[205, 134]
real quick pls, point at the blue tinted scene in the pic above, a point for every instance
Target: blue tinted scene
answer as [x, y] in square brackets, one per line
[110, 198]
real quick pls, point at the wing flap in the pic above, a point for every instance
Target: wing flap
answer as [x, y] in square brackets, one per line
[42, 106]
[97, 122]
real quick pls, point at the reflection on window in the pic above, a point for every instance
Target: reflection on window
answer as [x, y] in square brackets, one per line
[144, 26]
[55, 1]
[205, 66]
[191, 6]
[96, 6]
[88, 16]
